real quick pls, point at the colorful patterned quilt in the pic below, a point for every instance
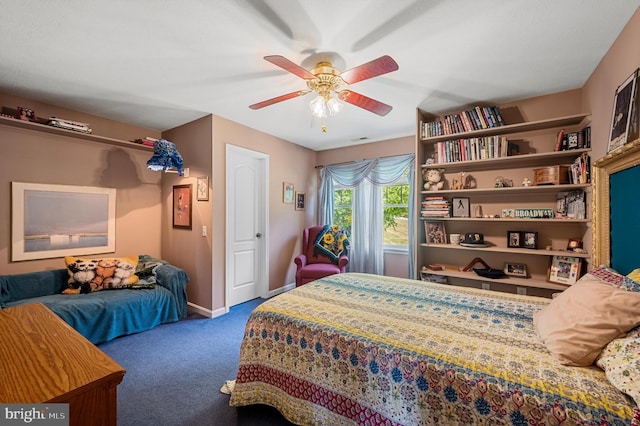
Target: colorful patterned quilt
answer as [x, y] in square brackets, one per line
[366, 349]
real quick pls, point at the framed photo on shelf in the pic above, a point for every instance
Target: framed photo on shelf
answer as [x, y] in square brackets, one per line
[26, 114]
[182, 206]
[514, 239]
[622, 107]
[460, 207]
[530, 240]
[574, 243]
[435, 232]
[287, 192]
[203, 188]
[564, 269]
[515, 269]
[300, 200]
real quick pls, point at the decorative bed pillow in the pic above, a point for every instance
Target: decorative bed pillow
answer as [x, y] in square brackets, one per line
[620, 360]
[584, 318]
[634, 275]
[333, 242]
[89, 275]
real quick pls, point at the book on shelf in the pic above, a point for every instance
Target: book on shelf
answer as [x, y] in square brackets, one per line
[580, 169]
[573, 140]
[476, 118]
[471, 149]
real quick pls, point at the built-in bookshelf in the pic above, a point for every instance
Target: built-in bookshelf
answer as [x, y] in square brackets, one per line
[541, 139]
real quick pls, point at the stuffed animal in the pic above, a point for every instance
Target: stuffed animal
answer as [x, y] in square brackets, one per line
[458, 182]
[432, 179]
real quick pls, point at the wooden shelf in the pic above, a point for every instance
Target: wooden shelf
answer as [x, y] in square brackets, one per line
[495, 249]
[539, 189]
[534, 281]
[13, 122]
[556, 221]
[570, 120]
[515, 161]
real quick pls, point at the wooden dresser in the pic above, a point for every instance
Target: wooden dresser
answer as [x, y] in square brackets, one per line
[43, 359]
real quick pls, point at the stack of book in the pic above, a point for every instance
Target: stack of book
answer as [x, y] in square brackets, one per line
[435, 207]
[476, 118]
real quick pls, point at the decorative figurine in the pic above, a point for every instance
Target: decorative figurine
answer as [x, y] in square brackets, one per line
[526, 182]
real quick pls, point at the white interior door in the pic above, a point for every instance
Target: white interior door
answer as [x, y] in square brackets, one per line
[247, 218]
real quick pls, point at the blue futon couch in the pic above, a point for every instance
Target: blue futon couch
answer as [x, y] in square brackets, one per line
[103, 315]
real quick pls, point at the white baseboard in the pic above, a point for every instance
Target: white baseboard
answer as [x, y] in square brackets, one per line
[192, 307]
[277, 291]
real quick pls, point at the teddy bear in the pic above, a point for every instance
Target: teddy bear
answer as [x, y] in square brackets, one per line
[433, 179]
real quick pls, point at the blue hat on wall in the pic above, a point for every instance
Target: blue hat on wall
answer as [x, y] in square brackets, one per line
[165, 157]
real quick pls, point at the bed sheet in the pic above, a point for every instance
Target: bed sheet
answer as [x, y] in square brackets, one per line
[367, 349]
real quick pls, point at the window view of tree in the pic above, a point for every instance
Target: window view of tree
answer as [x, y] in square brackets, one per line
[395, 200]
[343, 208]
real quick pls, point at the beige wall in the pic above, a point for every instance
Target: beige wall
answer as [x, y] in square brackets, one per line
[598, 93]
[203, 146]
[30, 156]
[187, 247]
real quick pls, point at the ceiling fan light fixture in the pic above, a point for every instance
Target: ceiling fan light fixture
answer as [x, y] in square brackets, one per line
[319, 107]
[334, 106]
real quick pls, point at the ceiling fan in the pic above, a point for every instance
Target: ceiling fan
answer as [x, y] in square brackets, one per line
[328, 82]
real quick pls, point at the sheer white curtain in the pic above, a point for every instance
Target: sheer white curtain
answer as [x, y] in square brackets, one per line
[366, 178]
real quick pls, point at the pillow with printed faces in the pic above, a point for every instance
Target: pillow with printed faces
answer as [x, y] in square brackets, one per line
[88, 275]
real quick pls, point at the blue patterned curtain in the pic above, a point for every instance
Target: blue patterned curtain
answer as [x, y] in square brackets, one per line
[366, 178]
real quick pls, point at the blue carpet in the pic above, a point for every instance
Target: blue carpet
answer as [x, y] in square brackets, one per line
[175, 372]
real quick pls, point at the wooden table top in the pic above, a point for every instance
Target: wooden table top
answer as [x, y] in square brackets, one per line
[43, 359]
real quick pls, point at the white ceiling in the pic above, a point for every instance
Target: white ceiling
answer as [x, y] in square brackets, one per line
[160, 64]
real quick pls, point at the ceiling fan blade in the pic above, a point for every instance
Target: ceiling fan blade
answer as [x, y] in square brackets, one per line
[382, 65]
[365, 102]
[289, 66]
[279, 99]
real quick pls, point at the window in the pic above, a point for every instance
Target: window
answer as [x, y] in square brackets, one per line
[343, 207]
[395, 201]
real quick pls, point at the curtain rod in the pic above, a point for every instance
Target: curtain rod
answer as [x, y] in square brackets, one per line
[321, 166]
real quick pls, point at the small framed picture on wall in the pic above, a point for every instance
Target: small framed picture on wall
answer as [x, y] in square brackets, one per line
[287, 192]
[300, 200]
[182, 206]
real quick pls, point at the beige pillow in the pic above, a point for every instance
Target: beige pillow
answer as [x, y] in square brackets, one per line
[584, 318]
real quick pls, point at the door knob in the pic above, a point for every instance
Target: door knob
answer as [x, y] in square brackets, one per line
[258, 235]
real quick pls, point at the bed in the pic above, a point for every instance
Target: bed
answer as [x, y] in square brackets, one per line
[365, 349]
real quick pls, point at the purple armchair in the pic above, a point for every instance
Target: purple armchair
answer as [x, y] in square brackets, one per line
[313, 264]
